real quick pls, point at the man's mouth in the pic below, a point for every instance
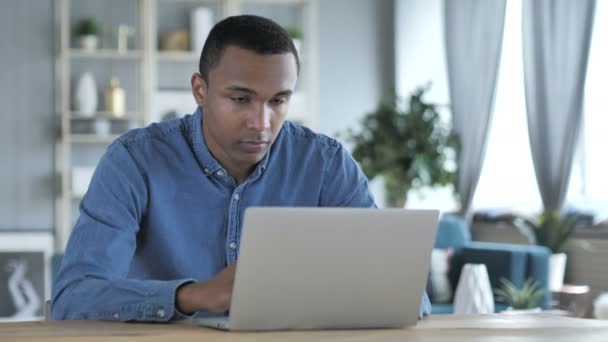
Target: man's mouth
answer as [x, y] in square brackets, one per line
[254, 146]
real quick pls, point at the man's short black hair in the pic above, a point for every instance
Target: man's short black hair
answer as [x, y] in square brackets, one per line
[250, 32]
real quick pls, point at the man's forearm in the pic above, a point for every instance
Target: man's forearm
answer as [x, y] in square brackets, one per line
[121, 300]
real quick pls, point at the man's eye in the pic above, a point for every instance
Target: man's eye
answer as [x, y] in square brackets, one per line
[239, 99]
[277, 101]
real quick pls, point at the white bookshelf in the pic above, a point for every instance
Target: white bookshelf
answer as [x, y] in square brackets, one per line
[149, 62]
[177, 57]
[93, 138]
[68, 140]
[81, 116]
[105, 54]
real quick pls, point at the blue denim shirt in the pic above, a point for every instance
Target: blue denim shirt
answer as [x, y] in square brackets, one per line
[161, 211]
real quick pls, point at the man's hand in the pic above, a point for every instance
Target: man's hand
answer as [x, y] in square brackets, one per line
[213, 296]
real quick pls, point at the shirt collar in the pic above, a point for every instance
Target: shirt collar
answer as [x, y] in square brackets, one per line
[209, 164]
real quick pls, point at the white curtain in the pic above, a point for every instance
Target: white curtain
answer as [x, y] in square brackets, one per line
[556, 38]
[473, 38]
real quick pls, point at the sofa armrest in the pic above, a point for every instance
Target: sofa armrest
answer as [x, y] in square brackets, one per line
[502, 261]
[538, 268]
[512, 261]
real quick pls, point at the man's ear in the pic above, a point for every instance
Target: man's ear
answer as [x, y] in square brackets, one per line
[199, 89]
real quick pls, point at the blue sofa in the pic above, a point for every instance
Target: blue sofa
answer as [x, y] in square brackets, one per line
[514, 262]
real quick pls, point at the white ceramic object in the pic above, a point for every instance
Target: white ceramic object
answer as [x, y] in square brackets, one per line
[474, 292]
[600, 306]
[122, 37]
[85, 96]
[201, 22]
[512, 311]
[88, 42]
[81, 178]
[115, 99]
[557, 269]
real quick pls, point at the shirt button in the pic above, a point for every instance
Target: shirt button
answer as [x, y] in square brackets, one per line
[236, 197]
[220, 173]
[206, 170]
[232, 245]
[116, 316]
[160, 313]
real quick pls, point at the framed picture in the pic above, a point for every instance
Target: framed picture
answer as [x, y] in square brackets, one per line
[24, 275]
[171, 104]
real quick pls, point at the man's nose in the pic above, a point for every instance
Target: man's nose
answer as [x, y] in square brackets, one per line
[259, 119]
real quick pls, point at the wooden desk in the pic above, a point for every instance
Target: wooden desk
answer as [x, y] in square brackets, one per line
[441, 328]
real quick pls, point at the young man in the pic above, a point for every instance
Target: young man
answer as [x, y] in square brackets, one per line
[159, 229]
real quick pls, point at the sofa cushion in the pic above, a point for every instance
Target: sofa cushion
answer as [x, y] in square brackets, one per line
[439, 287]
[452, 232]
[442, 309]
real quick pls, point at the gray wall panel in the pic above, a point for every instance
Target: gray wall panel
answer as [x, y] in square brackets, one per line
[27, 118]
[356, 60]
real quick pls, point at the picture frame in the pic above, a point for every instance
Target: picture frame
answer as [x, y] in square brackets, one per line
[25, 282]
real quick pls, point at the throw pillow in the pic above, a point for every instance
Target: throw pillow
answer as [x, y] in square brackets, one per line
[441, 289]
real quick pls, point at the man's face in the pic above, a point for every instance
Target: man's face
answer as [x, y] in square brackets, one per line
[244, 102]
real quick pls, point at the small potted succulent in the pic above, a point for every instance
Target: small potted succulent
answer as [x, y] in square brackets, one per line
[525, 299]
[87, 32]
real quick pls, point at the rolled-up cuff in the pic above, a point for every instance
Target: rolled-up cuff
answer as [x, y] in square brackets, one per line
[178, 315]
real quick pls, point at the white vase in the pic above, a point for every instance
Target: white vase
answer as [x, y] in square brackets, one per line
[85, 96]
[474, 292]
[557, 269]
[88, 42]
[600, 306]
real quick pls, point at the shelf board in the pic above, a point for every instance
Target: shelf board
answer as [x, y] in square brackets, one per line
[274, 2]
[92, 138]
[105, 54]
[103, 115]
[178, 56]
[76, 196]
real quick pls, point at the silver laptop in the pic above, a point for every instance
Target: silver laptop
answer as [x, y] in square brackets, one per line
[329, 268]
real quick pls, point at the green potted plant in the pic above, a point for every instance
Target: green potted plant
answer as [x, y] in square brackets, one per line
[526, 298]
[296, 35]
[87, 31]
[409, 149]
[553, 230]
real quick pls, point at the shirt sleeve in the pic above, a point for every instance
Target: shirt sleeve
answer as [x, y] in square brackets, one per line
[92, 282]
[345, 185]
[425, 306]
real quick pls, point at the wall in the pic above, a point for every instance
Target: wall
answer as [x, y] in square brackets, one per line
[27, 118]
[419, 48]
[356, 60]
[357, 64]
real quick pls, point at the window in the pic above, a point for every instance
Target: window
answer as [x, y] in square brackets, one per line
[507, 177]
[591, 164]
